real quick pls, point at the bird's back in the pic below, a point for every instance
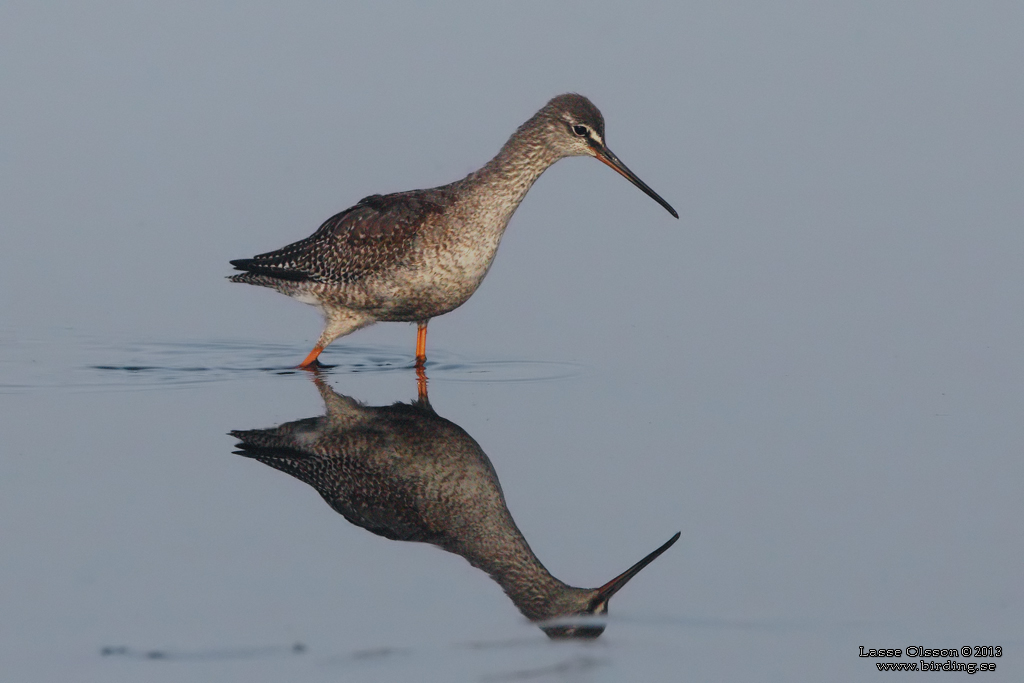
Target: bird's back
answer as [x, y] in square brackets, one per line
[377, 234]
[399, 471]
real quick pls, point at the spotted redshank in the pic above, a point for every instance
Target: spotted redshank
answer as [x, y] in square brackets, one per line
[407, 474]
[411, 256]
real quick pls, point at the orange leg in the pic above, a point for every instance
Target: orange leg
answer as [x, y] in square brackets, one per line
[311, 358]
[421, 342]
[421, 382]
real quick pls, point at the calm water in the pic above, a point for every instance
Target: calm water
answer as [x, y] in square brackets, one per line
[815, 375]
[140, 546]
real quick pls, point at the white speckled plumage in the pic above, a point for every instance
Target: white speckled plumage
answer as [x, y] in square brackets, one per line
[412, 256]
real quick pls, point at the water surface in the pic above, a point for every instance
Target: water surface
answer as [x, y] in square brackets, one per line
[814, 375]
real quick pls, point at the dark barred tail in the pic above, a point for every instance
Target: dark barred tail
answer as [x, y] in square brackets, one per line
[252, 267]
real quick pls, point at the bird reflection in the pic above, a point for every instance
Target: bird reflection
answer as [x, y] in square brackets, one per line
[407, 474]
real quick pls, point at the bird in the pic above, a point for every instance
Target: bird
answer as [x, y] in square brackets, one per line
[412, 256]
[405, 473]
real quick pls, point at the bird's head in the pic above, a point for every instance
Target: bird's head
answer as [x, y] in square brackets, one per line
[574, 617]
[576, 128]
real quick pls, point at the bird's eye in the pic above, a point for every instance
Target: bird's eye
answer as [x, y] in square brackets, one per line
[580, 130]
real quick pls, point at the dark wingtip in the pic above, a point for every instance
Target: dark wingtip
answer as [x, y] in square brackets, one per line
[250, 265]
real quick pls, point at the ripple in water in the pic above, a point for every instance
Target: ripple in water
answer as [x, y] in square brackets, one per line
[90, 365]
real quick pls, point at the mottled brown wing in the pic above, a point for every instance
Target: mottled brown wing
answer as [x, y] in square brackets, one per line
[375, 234]
[346, 468]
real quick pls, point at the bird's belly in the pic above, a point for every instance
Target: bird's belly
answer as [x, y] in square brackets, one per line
[431, 288]
[423, 299]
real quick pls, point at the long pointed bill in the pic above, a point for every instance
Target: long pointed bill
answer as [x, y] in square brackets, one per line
[604, 154]
[612, 587]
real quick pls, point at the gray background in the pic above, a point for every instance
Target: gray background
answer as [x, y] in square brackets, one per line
[815, 374]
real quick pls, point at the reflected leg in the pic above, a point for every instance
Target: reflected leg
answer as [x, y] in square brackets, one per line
[421, 382]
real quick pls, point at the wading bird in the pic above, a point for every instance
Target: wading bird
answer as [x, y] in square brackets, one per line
[412, 256]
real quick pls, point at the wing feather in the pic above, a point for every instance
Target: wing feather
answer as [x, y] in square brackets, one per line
[375, 234]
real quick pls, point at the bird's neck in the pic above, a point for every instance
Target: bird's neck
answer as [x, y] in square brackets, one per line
[503, 182]
[509, 560]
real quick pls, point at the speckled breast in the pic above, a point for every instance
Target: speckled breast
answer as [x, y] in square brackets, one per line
[441, 275]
